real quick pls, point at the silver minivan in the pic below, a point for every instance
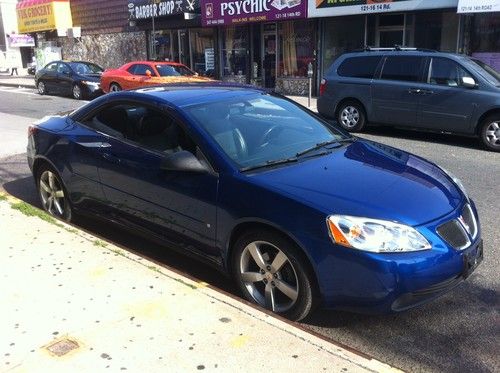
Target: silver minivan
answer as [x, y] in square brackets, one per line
[416, 89]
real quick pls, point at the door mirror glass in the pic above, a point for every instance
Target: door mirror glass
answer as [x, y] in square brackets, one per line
[182, 161]
[468, 82]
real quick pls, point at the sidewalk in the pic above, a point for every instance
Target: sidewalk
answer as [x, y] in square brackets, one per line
[73, 303]
[21, 80]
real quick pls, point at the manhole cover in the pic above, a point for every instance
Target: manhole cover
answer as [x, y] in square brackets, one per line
[61, 348]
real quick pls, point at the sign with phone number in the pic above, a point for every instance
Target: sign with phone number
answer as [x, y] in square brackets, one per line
[478, 6]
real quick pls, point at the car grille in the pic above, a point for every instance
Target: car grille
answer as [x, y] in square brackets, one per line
[456, 232]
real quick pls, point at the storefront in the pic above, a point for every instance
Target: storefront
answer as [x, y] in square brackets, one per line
[353, 24]
[174, 33]
[45, 20]
[268, 44]
[481, 30]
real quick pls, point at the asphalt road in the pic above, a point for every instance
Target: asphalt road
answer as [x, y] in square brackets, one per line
[457, 332]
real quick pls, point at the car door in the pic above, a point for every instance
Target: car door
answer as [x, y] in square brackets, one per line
[445, 104]
[64, 79]
[49, 76]
[395, 92]
[179, 206]
[139, 75]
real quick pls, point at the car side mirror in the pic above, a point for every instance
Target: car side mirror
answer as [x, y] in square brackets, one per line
[148, 73]
[182, 161]
[468, 82]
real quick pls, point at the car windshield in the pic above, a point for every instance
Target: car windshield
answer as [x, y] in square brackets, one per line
[488, 72]
[261, 130]
[173, 70]
[86, 68]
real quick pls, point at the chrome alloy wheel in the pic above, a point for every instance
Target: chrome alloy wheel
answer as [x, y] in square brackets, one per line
[349, 117]
[41, 88]
[493, 133]
[77, 92]
[52, 194]
[269, 276]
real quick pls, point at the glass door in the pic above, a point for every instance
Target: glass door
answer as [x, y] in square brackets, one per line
[269, 53]
[184, 51]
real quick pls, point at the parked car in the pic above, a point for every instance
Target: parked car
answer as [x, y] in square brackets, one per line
[408, 88]
[298, 211]
[145, 73]
[76, 78]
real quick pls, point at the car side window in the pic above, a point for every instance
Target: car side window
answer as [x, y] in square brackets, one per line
[444, 71]
[403, 68]
[146, 127]
[51, 67]
[359, 67]
[140, 69]
[62, 68]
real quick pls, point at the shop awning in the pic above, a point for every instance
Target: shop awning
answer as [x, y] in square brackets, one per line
[478, 6]
[43, 15]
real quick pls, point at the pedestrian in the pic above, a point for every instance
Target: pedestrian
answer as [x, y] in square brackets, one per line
[13, 64]
[14, 68]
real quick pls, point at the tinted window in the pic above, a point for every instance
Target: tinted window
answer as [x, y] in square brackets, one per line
[51, 66]
[447, 72]
[404, 68]
[140, 69]
[85, 68]
[359, 67]
[63, 69]
[173, 70]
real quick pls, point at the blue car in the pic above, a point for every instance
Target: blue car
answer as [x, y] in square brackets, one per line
[299, 212]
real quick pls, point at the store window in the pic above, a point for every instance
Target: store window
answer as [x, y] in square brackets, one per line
[342, 34]
[437, 31]
[202, 51]
[234, 53]
[485, 39]
[297, 43]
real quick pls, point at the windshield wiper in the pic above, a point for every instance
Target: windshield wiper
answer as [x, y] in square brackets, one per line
[337, 142]
[270, 163]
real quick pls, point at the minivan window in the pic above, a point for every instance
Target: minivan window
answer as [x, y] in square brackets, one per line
[447, 72]
[488, 72]
[359, 67]
[403, 68]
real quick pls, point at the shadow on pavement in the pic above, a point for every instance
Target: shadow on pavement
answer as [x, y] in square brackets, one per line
[430, 137]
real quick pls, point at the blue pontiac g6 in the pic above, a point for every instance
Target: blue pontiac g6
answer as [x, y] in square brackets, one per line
[296, 210]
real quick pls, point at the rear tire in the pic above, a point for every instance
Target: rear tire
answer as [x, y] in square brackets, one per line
[490, 132]
[270, 270]
[115, 87]
[351, 116]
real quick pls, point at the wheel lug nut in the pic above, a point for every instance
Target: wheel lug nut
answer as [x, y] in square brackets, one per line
[268, 268]
[262, 271]
[275, 275]
[265, 281]
[273, 284]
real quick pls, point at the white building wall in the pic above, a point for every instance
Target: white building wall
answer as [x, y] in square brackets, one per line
[12, 56]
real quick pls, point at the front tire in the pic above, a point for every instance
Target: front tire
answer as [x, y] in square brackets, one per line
[52, 194]
[351, 116]
[77, 92]
[490, 133]
[42, 89]
[270, 271]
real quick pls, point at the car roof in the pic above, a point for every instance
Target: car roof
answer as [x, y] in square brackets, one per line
[155, 63]
[187, 94]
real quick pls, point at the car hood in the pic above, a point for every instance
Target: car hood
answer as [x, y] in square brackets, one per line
[367, 179]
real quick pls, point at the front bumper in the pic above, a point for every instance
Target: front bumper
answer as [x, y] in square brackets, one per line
[364, 282]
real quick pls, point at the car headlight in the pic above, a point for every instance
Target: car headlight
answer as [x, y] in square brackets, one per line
[89, 83]
[457, 182]
[377, 236]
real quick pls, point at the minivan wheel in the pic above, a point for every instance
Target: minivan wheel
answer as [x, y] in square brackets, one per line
[52, 194]
[268, 271]
[351, 116]
[490, 132]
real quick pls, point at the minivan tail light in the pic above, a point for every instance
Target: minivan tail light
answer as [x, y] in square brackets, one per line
[322, 87]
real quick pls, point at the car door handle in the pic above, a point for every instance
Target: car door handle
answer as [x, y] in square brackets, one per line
[415, 91]
[111, 158]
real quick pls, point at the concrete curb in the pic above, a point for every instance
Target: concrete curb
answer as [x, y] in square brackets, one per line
[243, 331]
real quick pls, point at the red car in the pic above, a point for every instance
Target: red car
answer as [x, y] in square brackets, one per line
[145, 73]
